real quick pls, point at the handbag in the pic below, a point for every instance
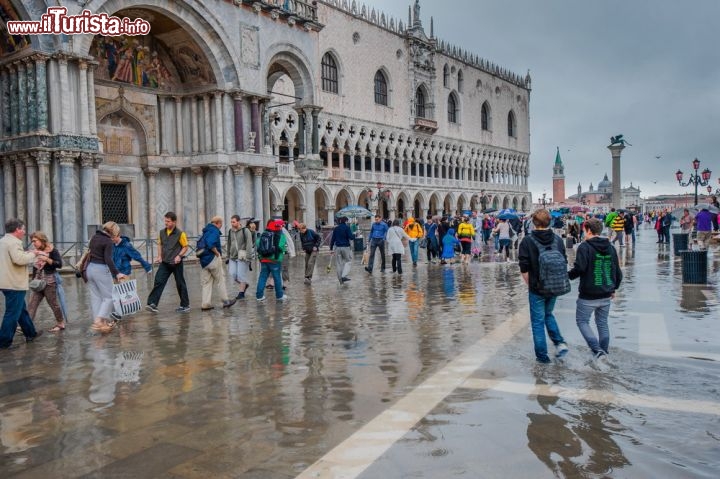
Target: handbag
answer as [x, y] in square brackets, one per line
[125, 298]
[38, 283]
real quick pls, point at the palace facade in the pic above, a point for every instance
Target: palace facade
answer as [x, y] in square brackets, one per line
[257, 108]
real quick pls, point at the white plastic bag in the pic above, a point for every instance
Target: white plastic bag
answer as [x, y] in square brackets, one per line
[125, 298]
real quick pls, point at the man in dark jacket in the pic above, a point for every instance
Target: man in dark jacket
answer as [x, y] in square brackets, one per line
[597, 266]
[212, 273]
[342, 238]
[310, 242]
[541, 304]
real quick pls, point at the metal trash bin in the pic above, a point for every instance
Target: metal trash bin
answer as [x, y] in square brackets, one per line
[694, 267]
[359, 243]
[680, 242]
[569, 242]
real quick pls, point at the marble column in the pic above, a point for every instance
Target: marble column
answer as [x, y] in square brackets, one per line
[219, 186]
[97, 161]
[87, 192]
[315, 132]
[45, 200]
[32, 188]
[207, 124]
[9, 183]
[151, 173]
[229, 196]
[14, 101]
[200, 192]
[162, 131]
[82, 95]
[194, 124]
[616, 152]
[302, 133]
[255, 120]
[20, 184]
[218, 124]
[65, 107]
[310, 178]
[31, 95]
[69, 215]
[179, 125]
[258, 196]
[177, 193]
[91, 97]
[266, 179]
[22, 98]
[239, 178]
[5, 102]
[237, 104]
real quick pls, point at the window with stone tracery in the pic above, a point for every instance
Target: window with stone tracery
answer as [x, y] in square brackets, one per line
[485, 117]
[381, 88]
[446, 76]
[452, 109]
[329, 74]
[420, 103]
[460, 81]
[512, 126]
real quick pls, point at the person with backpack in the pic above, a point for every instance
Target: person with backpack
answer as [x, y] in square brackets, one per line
[543, 265]
[241, 253]
[172, 247]
[310, 242]
[415, 231]
[270, 248]
[597, 266]
[212, 273]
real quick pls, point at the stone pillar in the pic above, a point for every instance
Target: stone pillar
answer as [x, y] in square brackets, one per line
[258, 196]
[31, 95]
[45, 202]
[177, 193]
[4, 100]
[87, 191]
[268, 177]
[229, 196]
[237, 109]
[14, 101]
[179, 126]
[255, 119]
[21, 185]
[68, 190]
[219, 186]
[302, 132]
[315, 132]
[219, 146]
[10, 194]
[91, 97]
[65, 107]
[82, 96]
[151, 173]
[42, 94]
[207, 124]
[31, 177]
[162, 131]
[22, 98]
[329, 152]
[200, 192]
[616, 151]
[194, 125]
[310, 205]
[239, 178]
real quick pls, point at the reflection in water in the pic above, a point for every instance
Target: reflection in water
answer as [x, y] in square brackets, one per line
[579, 447]
[694, 299]
[448, 281]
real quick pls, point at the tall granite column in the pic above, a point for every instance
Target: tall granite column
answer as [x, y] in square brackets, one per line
[10, 193]
[31, 94]
[162, 131]
[207, 125]
[21, 185]
[255, 120]
[31, 178]
[68, 189]
[45, 200]
[194, 124]
[87, 192]
[239, 179]
[616, 151]
[83, 97]
[200, 192]
[218, 124]
[151, 173]
[237, 109]
[22, 98]
[177, 193]
[258, 196]
[179, 126]
[219, 186]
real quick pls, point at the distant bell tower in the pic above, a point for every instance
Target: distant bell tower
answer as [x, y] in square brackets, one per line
[558, 179]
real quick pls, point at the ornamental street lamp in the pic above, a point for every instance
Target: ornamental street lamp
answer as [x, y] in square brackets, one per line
[710, 190]
[695, 179]
[484, 199]
[545, 201]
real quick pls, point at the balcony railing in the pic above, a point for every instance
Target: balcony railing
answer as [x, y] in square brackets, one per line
[297, 8]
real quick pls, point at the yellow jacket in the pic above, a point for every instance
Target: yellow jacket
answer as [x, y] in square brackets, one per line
[414, 230]
[13, 264]
[465, 230]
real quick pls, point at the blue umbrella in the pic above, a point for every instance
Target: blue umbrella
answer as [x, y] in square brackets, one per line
[506, 211]
[555, 214]
[354, 211]
[508, 216]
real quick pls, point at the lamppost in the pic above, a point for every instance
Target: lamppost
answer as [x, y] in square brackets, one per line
[484, 199]
[696, 179]
[545, 201]
[381, 191]
[710, 190]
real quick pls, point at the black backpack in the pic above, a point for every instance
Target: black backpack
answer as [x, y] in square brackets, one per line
[269, 245]
[553, 274]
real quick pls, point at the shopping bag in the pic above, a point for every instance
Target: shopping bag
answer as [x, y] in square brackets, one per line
[125, 298]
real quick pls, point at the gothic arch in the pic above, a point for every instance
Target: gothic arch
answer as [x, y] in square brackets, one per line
[122, 105]
[339, 66]
[290, 60]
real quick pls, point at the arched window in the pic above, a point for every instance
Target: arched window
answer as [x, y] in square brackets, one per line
[381, 89]
[460, 81]
[420, 103]
[329, 74]
[512, 126]
[485, 117]
[452, 109]
[446, 75]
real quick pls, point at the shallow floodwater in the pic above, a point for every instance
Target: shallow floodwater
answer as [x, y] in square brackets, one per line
[265, 390]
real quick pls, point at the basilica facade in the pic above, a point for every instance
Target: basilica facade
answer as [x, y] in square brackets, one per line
[257, 108]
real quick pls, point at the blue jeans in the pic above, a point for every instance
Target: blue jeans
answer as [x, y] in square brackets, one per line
[542, 318]
[266, 269]
[583, 311]
[15, 312]
[414, 245]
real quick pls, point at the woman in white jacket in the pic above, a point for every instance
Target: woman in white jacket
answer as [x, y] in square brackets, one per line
[395, 237]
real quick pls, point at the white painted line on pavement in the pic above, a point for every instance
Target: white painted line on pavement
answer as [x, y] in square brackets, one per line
[595, 395]
[351, 457]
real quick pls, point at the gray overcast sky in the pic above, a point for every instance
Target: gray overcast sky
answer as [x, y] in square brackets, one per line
[648, 69]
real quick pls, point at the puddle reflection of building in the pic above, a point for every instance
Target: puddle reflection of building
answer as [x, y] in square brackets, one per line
[580, 447]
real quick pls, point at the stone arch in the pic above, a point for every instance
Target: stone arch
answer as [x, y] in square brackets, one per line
[364, 199]
[525, 203]
[294, 203]
[402, 203]
[515, 203]
[496, 202]
[463, 202]
[389, 82]
[506, 202]
[340, 68]
[36, 42]
[124, 107]
[275, 199]
[287, 59]
[195, 18]
[449, 204]
[344, 197]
